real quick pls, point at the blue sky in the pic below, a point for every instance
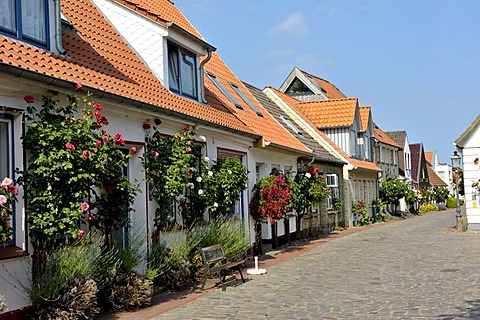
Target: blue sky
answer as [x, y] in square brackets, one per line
[416, 63]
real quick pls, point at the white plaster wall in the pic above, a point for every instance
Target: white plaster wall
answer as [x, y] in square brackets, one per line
[471, 173]
[142, 34]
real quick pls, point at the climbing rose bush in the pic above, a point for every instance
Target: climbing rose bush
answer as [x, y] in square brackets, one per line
[271, 198]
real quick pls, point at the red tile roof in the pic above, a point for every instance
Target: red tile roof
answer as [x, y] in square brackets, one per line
[331, 90]
[330, 113]
[365, 113]
[434, 179]
[428, 157]
[382, 137]
[100, 59]
[293, 104]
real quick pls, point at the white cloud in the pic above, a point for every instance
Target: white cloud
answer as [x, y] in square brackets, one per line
[310, 61]
[327, 8]
[294, 25]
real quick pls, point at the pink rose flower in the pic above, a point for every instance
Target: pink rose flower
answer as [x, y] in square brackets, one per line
[7, 182]
[85, 154]
[79, 86]
[105, 139]
[154, 154]
[29, 99]
[184, 128]
[3, 199]
[80, 234]
[84, 206]
[70, 146]
[189, 149]
[98, 143]
[133, 150]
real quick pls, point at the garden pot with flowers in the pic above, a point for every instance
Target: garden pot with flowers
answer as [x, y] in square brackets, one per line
[270, 202]
[360, 213]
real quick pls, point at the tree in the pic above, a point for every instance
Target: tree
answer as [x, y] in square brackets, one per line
[391, 191]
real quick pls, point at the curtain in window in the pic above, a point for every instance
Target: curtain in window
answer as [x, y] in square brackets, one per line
[33, 19]
[7, 14]
[173, 69]
[188, 75]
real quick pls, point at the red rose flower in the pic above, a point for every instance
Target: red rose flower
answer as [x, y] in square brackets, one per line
[79, 86]
[118, 137]
[80, 234]
[70, 146]
[104, 132]
[146, 126]
[90, 219]
[105, 139]
[29, 99]
[133, 150]
[85, 154]
[189, 149]
[84, 206]
[184, 128]
[98, 143]
[154, 154]
[157, 122]
[97, 106]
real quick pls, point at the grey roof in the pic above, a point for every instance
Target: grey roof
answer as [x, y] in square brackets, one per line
[319, 152]
[398, 136]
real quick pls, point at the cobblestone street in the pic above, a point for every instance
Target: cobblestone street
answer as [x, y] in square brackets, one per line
[413, 269]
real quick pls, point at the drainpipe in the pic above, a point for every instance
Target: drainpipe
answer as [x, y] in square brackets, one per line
[58, 28]
[202, 78]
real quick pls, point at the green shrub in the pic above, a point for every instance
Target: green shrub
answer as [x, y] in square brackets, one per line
[228, 232]
[427, 208]
[451, 202]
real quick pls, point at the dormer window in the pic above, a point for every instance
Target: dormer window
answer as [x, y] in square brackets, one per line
[182, 71]
[26, 20]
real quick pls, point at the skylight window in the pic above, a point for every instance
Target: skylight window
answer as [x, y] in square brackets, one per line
[245, 99]
[224, 90]
[291, 126]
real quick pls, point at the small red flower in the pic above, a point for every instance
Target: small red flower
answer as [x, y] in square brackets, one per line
[154, 154]
[80, 234]
[104, 132]
[98, 143]
[146, 126]
[97, 106]
[105, 139]
[184, 128]
[70, 146]
[85, 154]
[189, 149]
[90, 219]
[79, 86]
[117, 137]
[157, 122]
[29, 99]
[133, 150]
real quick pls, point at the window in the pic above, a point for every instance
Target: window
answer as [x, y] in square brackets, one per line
[237, 208]
[224, 90]
[245, 99]
[182, 71]
[331, 180]
[6, 160]
[26, 20]
[287, 171]
[259, 171]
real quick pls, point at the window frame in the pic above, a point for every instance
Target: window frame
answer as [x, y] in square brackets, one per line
[181, 90]
[8, 119]
[18, 33]
[224, 90]
[245, 99]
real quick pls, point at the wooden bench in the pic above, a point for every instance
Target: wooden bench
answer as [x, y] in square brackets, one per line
[216, 263]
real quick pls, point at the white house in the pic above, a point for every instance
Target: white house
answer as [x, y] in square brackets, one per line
[468, 144]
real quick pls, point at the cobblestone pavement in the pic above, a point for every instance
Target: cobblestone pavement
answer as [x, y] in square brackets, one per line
[414, 269]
